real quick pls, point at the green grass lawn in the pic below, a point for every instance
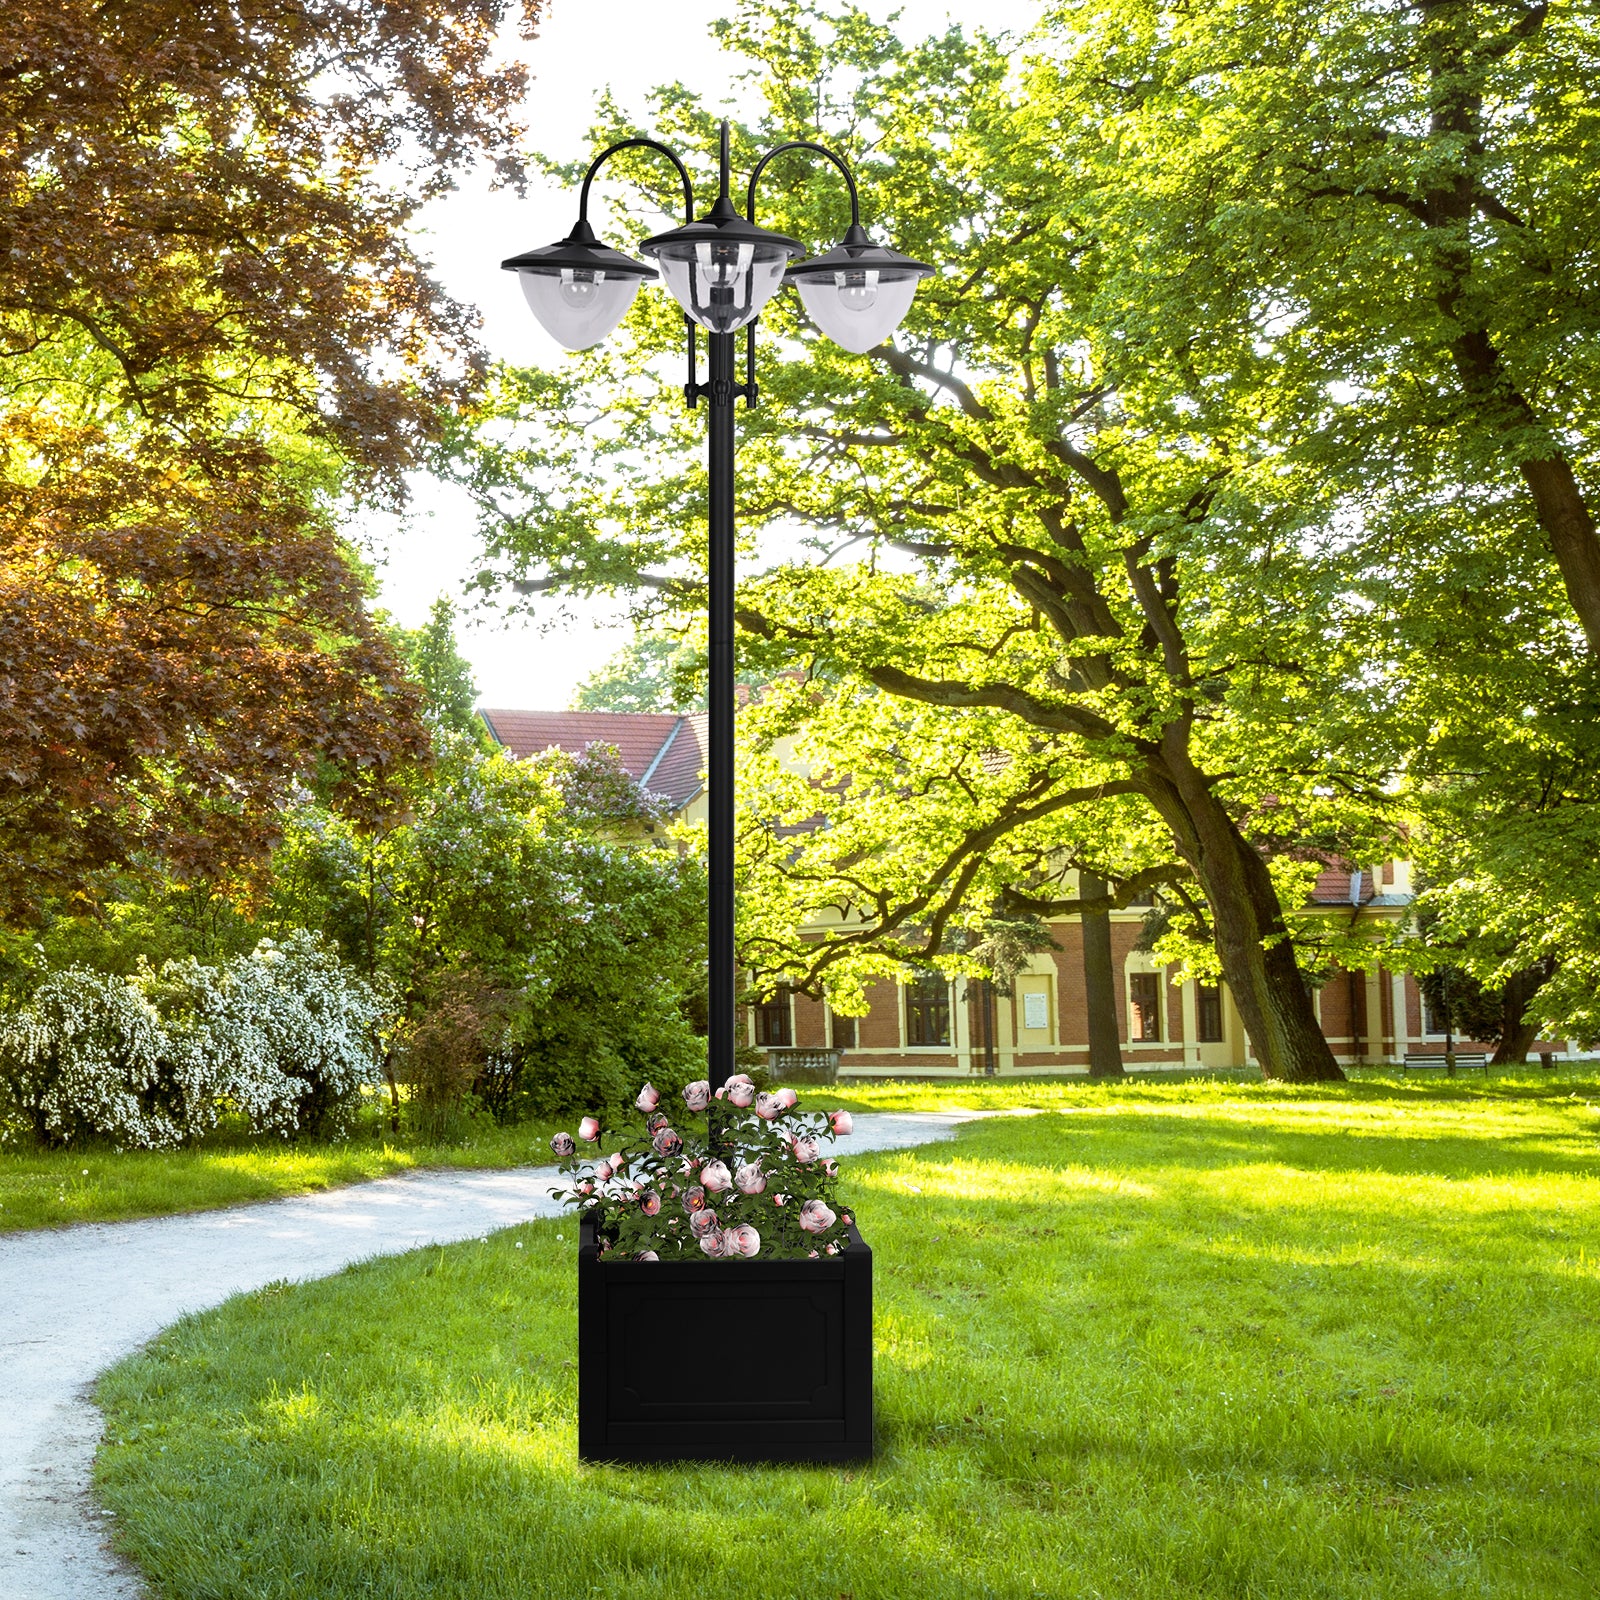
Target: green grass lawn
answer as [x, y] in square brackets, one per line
[1164, 1340]
[40, 1189]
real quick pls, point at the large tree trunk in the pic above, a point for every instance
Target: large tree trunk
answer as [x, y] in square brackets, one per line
[1100, 984]
[1252, 939]
[1516, 1035]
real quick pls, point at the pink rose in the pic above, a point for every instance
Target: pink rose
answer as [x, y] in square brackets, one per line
[649, 1098]
[787, 1099]
[811, 1255]
[741, 1077]
[602, 1171]
[779, 1199]
[750, 1178]
[806, 1150]
[712, 1243]
[694, 1199]
[841, 1122]
[617, 1163]
[767, 1106]
[656, 1123]
[715, 1176]
[743, 1240]
[830, 1249]
[650, 1202]
[702, 1223]
[666, 1142]
[647, 1255]
[830, 1166]
[741, 1094]
[697, 1095]
[589, 1130]
[815, 1217]
[563, 1144]
[847, 1219]
[583, 1187]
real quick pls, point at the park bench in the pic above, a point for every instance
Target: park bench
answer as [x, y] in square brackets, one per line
[1466, 1060]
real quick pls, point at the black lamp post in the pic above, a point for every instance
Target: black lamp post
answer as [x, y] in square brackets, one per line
[722, 270]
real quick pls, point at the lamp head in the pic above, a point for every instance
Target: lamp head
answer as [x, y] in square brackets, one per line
[722, 269]
[578, 288]
[858, 293]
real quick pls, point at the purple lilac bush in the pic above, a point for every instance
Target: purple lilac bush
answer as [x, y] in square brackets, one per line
[742, 1174]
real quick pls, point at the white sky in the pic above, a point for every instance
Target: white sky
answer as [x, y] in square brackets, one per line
[629, 46]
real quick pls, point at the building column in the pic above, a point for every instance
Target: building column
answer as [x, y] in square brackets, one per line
[1190, 1010]
[1402, 1021]
[1005, 1034]
[962, 1037]
[1374, 1046]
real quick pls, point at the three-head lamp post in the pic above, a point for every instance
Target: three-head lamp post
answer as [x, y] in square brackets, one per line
[722, 270]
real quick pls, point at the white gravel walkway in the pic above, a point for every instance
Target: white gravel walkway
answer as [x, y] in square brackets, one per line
[75, 1300]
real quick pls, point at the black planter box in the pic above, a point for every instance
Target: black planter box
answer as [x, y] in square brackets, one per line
[724, 1360]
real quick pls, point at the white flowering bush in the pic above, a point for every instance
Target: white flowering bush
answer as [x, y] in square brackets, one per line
[752, 1180]
[285, 1037]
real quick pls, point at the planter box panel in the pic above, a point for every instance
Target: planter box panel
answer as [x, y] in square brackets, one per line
[724, 1360]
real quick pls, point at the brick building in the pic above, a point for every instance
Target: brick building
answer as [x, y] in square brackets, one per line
[935, 1029]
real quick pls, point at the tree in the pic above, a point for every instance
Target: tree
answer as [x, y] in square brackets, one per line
[213, 333]
[654, 671]
[435, 663]
[505, 901]
[1096, 624]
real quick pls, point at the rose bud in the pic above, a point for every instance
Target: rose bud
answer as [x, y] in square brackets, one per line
[694, 1199]
[767, 1107]
[779, 1199]
[743, 1240]
[815, 1217]
[811, 1255]
[563, 1144]
[697, 1095]
[602, 1171]
[666, 1142]
[656, 1123]
[702, 1223]
[841, 1122]
[715, 1176]
[741, 1094]
[650, 1202]
[617, 1163]
[649, 1098]
[830, 1166]
[589, 1130]
[711, 1243]
[750, 1178]
[647, 1255]
[831, 1249]
[787, 1099]
[847, 1219]
[806, 1150]
[741, 1077]
[585, 1187]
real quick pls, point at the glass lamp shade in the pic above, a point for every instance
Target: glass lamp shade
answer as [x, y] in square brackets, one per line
[577, 288]
[722, 270]
[858, 293]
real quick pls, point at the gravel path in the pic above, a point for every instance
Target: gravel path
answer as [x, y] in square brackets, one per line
[75, 1300]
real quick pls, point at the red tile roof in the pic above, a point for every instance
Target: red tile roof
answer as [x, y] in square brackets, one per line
[663, 750]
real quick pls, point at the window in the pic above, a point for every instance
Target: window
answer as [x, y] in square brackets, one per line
[928, 1011]
[772, 1019]
[844, 1032]
[1208, 1013]
[1144, 1006]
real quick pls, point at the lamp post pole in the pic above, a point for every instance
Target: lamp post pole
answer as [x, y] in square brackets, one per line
[722, 270]
[722, 968]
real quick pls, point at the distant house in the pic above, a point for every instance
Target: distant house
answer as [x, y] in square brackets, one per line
[666, 752]
[936, 1029]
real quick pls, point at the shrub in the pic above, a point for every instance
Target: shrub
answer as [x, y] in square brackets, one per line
[284, 1037]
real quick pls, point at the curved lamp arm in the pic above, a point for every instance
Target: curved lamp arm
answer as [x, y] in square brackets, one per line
[636, 144]
[816, 149]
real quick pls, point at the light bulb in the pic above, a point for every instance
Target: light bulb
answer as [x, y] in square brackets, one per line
[578, 288]
[857, 290]
[722, 264]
